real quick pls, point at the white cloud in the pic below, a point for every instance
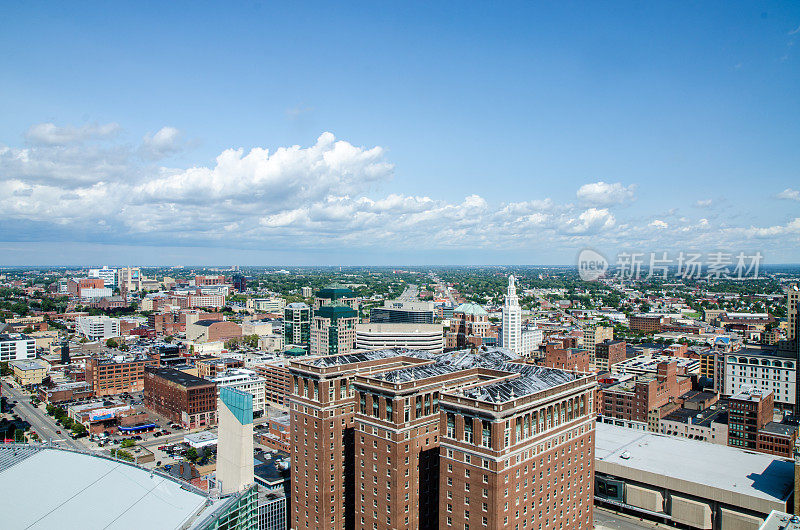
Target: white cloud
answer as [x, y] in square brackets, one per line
[605, 194]
[288, 175]
[703, 203]
[590, 221]
[51, 134]
[166, 141]
[789, 194]
[326, 194]
[790, 228]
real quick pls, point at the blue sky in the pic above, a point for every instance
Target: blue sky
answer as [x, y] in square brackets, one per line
[426, 133]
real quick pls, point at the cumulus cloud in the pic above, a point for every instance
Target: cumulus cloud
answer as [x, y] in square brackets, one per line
[326, 194]
[164, 142]
[703, 203]
[590, 221]
[789, 194]
[605, 194]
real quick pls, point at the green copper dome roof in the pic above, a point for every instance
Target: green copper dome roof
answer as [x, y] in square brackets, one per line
[470, 308]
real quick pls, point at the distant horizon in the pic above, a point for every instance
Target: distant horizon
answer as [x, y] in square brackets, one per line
[350, 266]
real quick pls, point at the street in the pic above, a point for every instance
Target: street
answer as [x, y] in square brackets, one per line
[410, 294]
[41, 423]
[608, 520]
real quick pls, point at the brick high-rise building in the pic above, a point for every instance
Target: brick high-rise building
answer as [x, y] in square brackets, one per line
[519, 453]
[595, 334]
[633, 401]
[748, 412]
[181, 397]
[608, 353]
[565, 358]
[390, 439]
[201, 281]
[279, 381]
[793, 334]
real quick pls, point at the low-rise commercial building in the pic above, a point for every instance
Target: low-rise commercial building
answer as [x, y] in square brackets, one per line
[209, 367]
[78, 390]
[98, 327]
[648, 364]
[266, 305]
[678, 481]
[112, 374]
[710, 425]
[29, 372]
[14, 346]
[212, 331]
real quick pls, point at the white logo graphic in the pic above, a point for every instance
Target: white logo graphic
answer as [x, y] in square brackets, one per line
[591, 265]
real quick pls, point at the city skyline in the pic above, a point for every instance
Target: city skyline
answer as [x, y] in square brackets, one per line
[356, 135]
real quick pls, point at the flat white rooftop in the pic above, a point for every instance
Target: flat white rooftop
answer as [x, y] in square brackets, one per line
[91, 492]
[756, 475]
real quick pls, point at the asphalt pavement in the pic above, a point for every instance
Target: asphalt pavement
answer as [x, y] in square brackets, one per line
[40, 422]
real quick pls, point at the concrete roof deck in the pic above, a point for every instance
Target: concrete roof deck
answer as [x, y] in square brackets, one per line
[713, 471]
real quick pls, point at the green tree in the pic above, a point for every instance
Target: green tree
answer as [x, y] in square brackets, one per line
[191, 454]
[78, 429]
[122, 455]
[127, 443]
[111, 343]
